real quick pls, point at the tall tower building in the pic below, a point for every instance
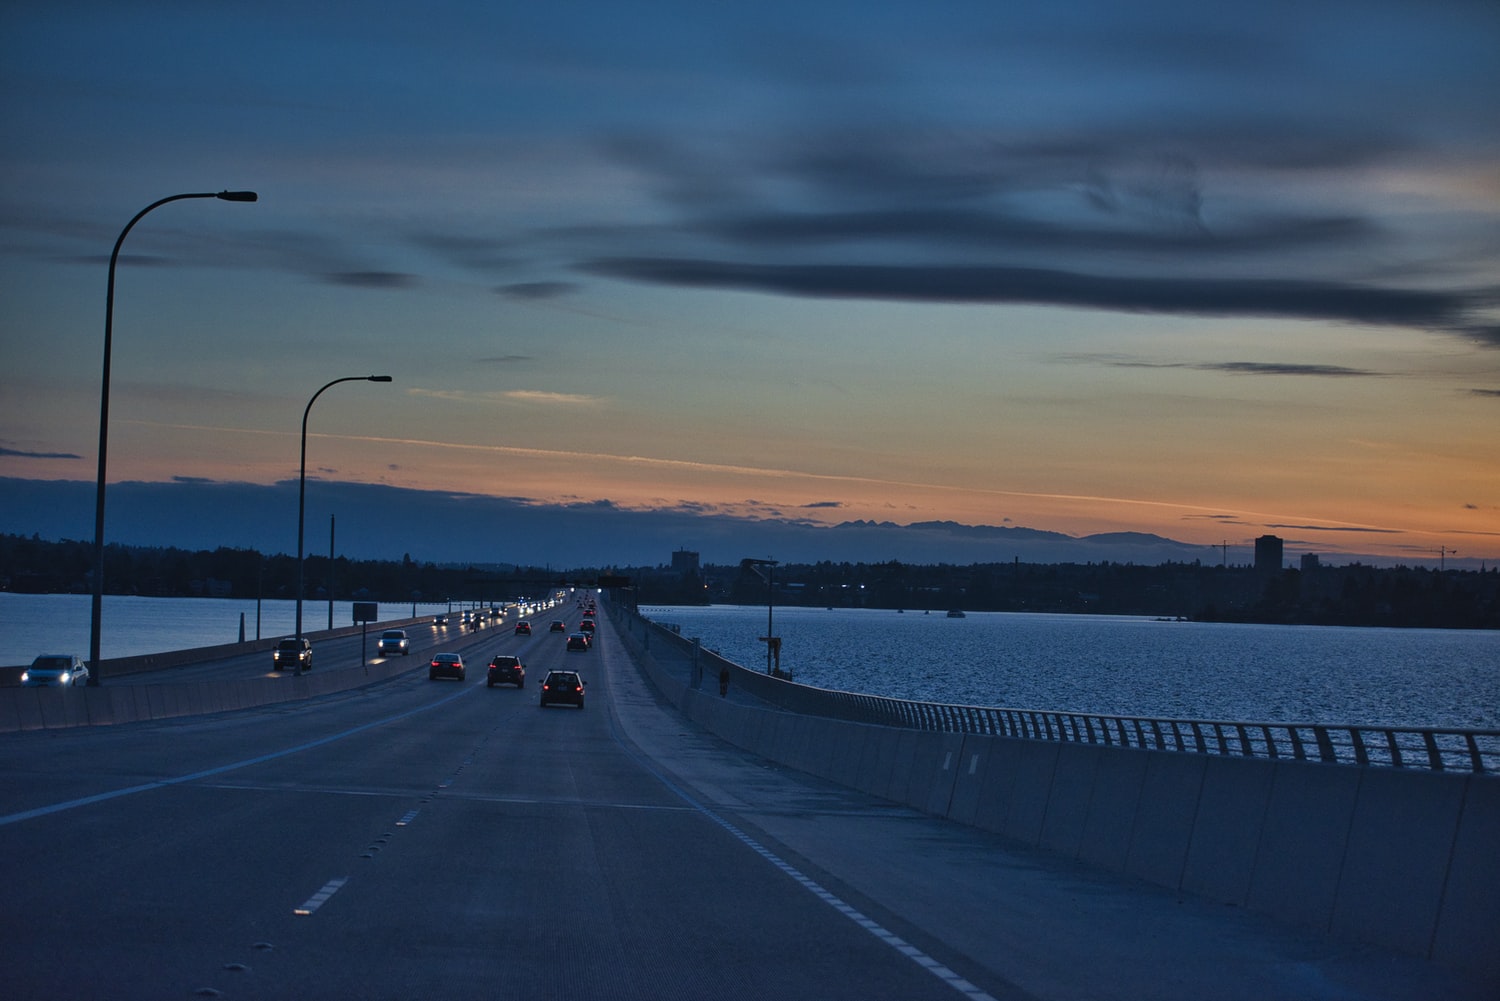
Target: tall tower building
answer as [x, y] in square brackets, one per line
[1268, 554]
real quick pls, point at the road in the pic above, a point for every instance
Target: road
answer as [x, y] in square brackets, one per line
[343, 651]
[439, 839]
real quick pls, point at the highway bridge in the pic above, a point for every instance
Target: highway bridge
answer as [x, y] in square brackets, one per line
[368, 833]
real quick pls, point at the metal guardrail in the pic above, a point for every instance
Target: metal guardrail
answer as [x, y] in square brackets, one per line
[1429, 748]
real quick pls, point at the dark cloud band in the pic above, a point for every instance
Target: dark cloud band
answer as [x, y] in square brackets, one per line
[1446, 311]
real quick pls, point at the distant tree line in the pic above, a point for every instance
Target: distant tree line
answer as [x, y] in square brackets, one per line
[38, 566]
[1327, 595]
[1342, 595]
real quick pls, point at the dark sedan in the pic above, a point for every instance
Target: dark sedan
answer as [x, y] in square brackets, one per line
[445, 665]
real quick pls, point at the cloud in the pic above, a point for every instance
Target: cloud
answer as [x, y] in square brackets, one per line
[1234, 367]
[1307, 300]
[542, 396]
[23, 454]
[1485, 392]
[476, 253]
[536, 290]
[371, 279]
[1336, 528]
[538, 396]
[957, 227]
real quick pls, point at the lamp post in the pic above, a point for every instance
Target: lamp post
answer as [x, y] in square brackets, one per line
[109, 320]
[302, 486]
[773, 645]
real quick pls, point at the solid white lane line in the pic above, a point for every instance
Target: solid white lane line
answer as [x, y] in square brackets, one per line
[891, 939]
[43, 811]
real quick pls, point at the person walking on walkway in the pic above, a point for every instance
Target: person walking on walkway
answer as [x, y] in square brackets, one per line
[723, 681]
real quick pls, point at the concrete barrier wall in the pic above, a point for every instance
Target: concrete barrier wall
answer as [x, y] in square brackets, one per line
[1406, 860]
[50, 708]
[116, 666]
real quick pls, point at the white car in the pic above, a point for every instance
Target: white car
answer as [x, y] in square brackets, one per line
[393, 641]
[60, 669]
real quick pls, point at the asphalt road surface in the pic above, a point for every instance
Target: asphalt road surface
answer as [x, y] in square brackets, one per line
[438, 839]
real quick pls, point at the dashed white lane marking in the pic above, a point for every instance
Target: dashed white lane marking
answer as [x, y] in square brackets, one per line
[321, 897]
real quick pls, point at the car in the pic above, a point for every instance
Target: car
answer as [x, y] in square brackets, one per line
[523, 628]
[393, 641]
[578, 643]
[440, 620]
[292, 653]
[562, 688]
[505, 669]
[446, 665]
[60, 669]
[558, 626]
[588, 613]
[587, 628]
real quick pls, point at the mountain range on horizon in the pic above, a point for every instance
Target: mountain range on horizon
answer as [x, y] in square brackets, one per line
[372, 521]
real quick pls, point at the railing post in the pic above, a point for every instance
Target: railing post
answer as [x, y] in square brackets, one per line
[1361, 756]
[1434, 754]
[1325, 744]
[1394, 746]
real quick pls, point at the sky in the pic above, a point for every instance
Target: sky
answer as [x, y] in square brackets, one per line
[1201, 271]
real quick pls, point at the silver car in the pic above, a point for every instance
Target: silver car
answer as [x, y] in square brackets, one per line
[55, 669]
[394, 641]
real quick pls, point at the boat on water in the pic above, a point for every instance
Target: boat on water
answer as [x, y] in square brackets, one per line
[955, 613]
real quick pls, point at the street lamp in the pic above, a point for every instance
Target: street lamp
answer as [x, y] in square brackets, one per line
[109, 319]
[302, 486]
[773, 643]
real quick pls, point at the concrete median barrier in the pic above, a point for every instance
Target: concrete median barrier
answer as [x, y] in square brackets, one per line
[1395, 866]
[1115, 800]
[1302, 843]
[1165, 816]
[1470, 913]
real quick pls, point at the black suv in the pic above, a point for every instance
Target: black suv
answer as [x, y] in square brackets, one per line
[292, 653]
[506, 669]
[564, 688]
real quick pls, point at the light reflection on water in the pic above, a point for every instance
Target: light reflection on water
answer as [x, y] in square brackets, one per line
[1125, 666]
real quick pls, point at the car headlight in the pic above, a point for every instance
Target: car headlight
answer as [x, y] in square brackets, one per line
[62, 677]
[25, 677]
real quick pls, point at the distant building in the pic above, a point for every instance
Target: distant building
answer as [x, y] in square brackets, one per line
[1310, 562]
[685, 563]
[1268, 554]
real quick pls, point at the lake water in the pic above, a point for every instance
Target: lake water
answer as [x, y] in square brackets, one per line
[1127, 666]
[128, 626]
